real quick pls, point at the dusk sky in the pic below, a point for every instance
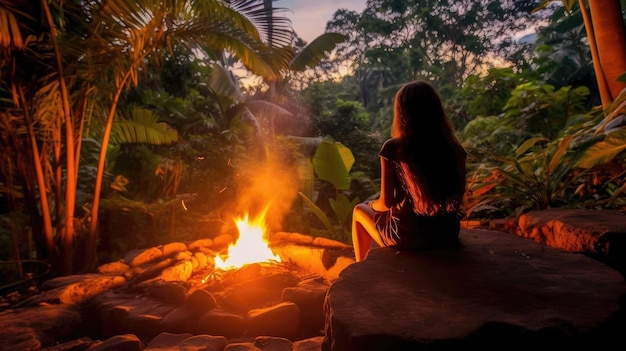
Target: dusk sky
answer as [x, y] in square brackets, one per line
[309, 17]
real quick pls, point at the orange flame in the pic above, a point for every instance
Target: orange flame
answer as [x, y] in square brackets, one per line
[250, 247]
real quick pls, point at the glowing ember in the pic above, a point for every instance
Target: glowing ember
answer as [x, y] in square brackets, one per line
[250, 247]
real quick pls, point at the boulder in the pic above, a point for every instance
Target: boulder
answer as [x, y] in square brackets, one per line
[600, 234]
[497, 291]
[36, 327]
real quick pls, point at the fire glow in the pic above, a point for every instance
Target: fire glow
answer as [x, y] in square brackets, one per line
[251, 246]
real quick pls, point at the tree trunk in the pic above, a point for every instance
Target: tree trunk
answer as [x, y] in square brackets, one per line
[610, 37]
[68, 232]
[41, 184]
[92, 242]
[603, 88]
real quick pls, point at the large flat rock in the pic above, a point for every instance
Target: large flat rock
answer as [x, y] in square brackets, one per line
[600, 234]
[498, 291]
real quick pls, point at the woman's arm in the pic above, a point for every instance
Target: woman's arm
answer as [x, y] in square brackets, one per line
[387, 186]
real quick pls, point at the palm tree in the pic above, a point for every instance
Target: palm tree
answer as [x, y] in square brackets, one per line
[607, 40]
[99, 50]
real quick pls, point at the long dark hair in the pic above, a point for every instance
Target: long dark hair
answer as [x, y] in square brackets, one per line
[431, 159]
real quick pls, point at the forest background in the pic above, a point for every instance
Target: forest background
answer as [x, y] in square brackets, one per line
[128, 124]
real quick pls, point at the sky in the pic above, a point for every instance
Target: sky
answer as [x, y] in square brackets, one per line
[309, 17]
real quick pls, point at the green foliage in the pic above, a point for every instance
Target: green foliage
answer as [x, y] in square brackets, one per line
[540, 175]
[567, 3]
[348, 122]
[315, 51]
[482, 96]
[431, 39]
[142, 126]
[539, 109]
[490, 133]
[604, 151]
[332, 163]
[562, 56]
[532, 109]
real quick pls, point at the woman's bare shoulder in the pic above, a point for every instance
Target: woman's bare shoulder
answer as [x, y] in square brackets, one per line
[390, 143]
[389, 148]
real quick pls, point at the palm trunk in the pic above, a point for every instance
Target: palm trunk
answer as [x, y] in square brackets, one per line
[43, 197]
[90, 254]
[41, 182]
[610, 37]
[607, 42]
[68, 232]
[603, 88]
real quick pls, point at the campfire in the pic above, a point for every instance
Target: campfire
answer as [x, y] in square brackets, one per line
[247, 284]
[252, 246]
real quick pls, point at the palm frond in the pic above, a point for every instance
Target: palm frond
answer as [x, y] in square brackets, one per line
[142, 126]
[275, 29]
[315, 51]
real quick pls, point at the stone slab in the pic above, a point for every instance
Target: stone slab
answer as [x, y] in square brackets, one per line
[498, 291]
[600, 234]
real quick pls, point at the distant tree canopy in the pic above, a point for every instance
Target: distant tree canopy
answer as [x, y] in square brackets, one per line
[442, 40]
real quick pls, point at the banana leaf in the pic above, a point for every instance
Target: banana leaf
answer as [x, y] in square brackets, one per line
[332, 162]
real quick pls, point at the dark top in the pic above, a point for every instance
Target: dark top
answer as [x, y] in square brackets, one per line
[401, 227]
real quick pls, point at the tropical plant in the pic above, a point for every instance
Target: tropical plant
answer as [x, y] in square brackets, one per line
[98, 51]
[484, 95]
[540, 175]
[606, 34]
[532, 109]
[332, 163]
[562, 56]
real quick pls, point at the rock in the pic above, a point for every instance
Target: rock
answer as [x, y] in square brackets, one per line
[186, 342]
[147, 271]
[141, 257]
[37, 327]
[200, 301]
[203, 260]
[185, 318]
[179, 320]
[74, 289]
[220, 322]
[166, 341]
[113, 268]
[600, 234]
[249, 294]
[312, 259]
[268, 343]
[223, 241]
[77, 344]
[171, 292]
[294, 238]
[242, 346]
[331, 244]
[126, 342]
[173, 248]
[279, 320]
[498, 291]
[340, 264]
[182, 256]
[310, 344]
[179, 272]
[113, 313]
[309, 295]
[247, 272]
[200, 243]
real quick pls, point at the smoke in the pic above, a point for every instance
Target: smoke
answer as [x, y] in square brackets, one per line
[270, 185]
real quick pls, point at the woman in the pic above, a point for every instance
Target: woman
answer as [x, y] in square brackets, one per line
[422, 179]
